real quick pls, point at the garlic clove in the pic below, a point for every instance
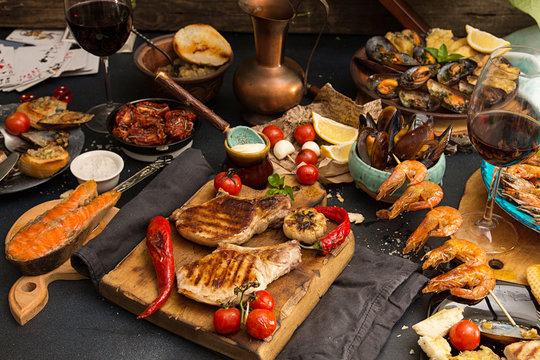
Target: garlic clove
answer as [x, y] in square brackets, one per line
[283, 148]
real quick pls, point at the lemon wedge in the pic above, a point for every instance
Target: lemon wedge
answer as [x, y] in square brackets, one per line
[533, 278]
[483, 41]
[339, 153]
[332, 131]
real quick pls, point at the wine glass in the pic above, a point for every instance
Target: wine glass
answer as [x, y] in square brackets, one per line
[503, 127]
[101, 27]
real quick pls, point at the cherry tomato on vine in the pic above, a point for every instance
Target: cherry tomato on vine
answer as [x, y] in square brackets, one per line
[27, 97]
[307, 174]
[304, 133]
[465, 335]
[263, 300]
[62, 93]
[17, 123]
[227, 321]
[261, 323]
[273, 133]
[306, 155]
[228, 181]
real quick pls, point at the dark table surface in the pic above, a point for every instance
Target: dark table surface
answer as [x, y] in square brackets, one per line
[78, 323]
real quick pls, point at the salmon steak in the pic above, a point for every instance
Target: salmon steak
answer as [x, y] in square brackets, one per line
[212, 279]
[230, 219]
[49, 240]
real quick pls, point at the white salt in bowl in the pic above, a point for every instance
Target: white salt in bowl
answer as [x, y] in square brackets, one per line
[100, 165]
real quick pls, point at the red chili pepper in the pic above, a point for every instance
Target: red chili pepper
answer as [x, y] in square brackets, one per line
[335, 237]
[158, 241]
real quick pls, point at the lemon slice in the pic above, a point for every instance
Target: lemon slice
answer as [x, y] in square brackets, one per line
[533, 278]
[332, 131]
[483, 41]
[339, 153]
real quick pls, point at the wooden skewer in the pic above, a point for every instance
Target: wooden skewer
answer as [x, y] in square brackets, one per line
[503, 309]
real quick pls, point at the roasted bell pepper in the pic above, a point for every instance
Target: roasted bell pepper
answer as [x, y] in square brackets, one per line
[335, 237]
[158, 241]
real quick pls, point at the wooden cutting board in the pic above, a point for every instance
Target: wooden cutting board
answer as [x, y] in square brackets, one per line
[515, 262]
[132, 285]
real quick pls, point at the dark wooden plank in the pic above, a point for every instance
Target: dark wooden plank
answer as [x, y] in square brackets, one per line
[346, 16]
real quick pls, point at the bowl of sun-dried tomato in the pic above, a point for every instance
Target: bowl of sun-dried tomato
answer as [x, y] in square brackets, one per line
[148, 128]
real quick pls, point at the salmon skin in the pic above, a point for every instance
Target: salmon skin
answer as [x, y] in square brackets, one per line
[36, 255]
[82, 195]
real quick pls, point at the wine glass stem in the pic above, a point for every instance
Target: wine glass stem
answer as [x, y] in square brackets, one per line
[488, 212]
[107, 78]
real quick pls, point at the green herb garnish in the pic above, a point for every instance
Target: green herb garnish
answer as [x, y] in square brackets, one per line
[278, 186]
[442, 55]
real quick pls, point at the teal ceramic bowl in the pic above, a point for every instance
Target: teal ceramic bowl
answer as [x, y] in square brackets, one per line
[369, 179]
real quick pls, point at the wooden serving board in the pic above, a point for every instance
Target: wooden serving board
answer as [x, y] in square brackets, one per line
[515, 262]
[132, 285]
[29, 294]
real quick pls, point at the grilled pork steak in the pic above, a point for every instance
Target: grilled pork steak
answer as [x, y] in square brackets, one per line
[212, 279]
[230, 219]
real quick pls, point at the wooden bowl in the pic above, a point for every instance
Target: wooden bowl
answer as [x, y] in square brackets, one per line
[148, 60]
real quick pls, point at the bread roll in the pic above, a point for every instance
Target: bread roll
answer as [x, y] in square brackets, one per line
[43, 162]
[439, 324]
[523, 350]
[202, 45]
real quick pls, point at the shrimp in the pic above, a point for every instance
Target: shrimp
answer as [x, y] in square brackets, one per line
[463, 250]
[422, 196]
[441, 221]
[478, 279]
[414, 170]
[524, 171]
[522, 197]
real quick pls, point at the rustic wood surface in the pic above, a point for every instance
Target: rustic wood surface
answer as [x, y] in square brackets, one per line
[132, 285]
[526, 252]
[29, 295]
[346, 16]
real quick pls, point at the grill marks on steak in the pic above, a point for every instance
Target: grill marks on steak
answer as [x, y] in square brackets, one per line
[212, 279]
[229, 219]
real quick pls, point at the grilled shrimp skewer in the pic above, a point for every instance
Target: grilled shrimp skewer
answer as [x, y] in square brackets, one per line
[463, 250]
[441, 221]
[421, 196]
[413, 170]
[472, 282]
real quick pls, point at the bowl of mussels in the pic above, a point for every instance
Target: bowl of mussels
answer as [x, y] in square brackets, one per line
[432, 74]
[392, 138]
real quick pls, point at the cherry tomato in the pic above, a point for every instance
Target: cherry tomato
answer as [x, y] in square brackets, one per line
[465, 335]
[273, 133]
[306, 155]
[227, 321]
[27, 97]
[304, 133]
[264, 300]
[261, 323]
[307, 174]
[228, 181]
[62, 93]
[17, 123]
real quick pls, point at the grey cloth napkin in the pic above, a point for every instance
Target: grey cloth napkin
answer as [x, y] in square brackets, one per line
[171, 188]
[355, 317]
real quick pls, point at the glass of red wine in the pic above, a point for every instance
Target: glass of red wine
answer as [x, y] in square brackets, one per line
[101, 27]
[503, 125]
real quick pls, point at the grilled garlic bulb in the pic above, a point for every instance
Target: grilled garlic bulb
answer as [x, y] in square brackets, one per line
[304, 224]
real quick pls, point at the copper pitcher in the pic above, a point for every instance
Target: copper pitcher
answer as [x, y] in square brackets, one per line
[269, 83]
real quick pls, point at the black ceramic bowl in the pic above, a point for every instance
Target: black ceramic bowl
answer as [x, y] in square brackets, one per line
[154, 150]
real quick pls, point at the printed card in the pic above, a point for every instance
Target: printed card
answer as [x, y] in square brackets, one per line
[35, 37]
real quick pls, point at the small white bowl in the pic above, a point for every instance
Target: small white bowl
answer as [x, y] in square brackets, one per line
[100, 165]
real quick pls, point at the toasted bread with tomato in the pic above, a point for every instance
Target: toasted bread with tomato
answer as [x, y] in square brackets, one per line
[41, 108]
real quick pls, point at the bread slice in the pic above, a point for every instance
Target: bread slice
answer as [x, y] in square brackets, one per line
[43, 162]
[41, 108]
[202, 45]
[436, 348]
[523, 350]
[439, 324]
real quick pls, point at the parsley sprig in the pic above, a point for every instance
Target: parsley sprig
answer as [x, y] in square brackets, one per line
[441, 54]
[278, 186]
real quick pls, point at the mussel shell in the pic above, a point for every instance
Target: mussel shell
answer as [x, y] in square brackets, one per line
[361, 146]
[366, 120]
[417, 76]
[381, 50]
[451, 99]
[384, 85]
[422, 56]
[378, 153]
[490, 95]
[418, 100]
[451, 72]
[465, 87]
[412, 142]
[417, 39]
[435, 148]
[388, 118]
[419, 119]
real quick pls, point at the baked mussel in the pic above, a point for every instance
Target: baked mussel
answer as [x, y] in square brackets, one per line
[419, 100]
[422, 56]
[451, 99]
[381, 50]
[384, 85]
[451, 72]
[417, 76]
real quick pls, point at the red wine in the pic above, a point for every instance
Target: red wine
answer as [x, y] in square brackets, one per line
[100, 27]
[504, 138]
